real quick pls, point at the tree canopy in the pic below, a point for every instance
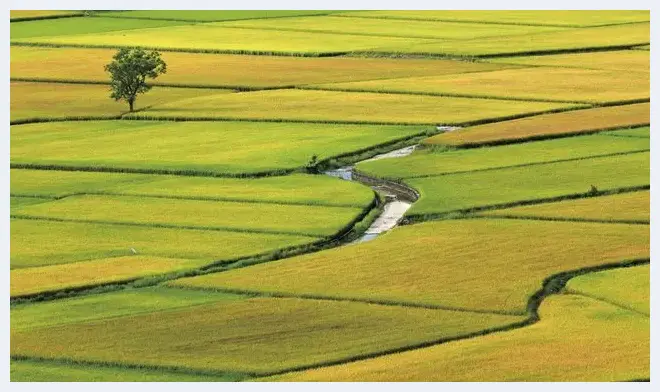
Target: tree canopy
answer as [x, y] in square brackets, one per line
[129, 71]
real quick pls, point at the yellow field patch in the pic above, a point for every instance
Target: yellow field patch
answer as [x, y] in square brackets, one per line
[620, 60]
[24, 281]
[577, 339]
[572, 122]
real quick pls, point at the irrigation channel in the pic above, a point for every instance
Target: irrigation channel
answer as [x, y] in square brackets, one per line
[398, 197]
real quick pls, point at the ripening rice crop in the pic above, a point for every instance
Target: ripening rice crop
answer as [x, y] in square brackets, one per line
[618, 60]
[255, 335]
[426, 162]
[40, 29]
[218, 147]
[577, 339]
[557, 84]
[23, 14]
[465, 191]
[485, 264]
[634, 206]
[547, 125]
[626, 287]
[202, 69]
[212, 15]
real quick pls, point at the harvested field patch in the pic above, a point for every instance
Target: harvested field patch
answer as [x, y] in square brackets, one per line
[200, 146]
[548, 125]
[202, 69]
[483, 264]
[627, 287]
[60, 101]
[553, 18]
[559, 84]
[233, 216]
[291, 189]
[289, 333]
[388, 28]
[25, 281]
[309, 105]
[40, 29]
[577, 339]
[68, 242]
[206, 37]
[633, 206]
[426, 162]
[509, 185]
[620, 60]
[614, 37]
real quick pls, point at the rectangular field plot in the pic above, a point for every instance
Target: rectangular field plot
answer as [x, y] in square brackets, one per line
[44, 371]
[391, 27]
[424, 163]
[626, 287]
[557, 84]
[200, 69]
[481, 264]
[28, 14]
[548, 125]
[224, 337]
[614, 37]
[200, 146]
[620, 60]
[291, 189]
[577, 339]
[539, 18]
[30, 101]
[331, 106]
[38, 29]
[17, 202]
[314, 221]
[633, 206]
[461, 192]
[211, 15]
[214, 38]
[68, 242]
[644, 132]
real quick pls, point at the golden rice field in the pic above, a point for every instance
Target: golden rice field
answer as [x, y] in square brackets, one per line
[634, 206]
[427, 268]
[490, 222]
[557, 124]
[577, 339]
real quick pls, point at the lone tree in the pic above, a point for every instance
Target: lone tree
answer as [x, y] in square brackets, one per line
[129, 70]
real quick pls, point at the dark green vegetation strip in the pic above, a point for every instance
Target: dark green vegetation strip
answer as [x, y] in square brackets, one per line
[29, 18]
[560, 219]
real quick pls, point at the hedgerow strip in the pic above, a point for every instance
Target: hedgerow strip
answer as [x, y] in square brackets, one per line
[44, 17]
[321, 13]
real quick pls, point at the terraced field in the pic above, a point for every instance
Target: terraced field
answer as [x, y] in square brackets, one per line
[198, 237]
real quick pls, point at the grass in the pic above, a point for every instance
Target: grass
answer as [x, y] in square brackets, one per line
[204, 214]
[548, 125]
[199, 69]
[559, 84]
[43, 371]
[388, 28]
[205, 37]
[584, 39]
[17, 202]
[620, 60]
[71, 27]
[68, 242]
[27, 281]
[31, 101]
[309, 105]
[577, 339]
[254, 335]
[200, 146]
[487, 188]
[538, 18]
[433, 263]
[291, 189]
[212, 15]
[644, 132]
[633, 206]
[626, 287]
[426, 162]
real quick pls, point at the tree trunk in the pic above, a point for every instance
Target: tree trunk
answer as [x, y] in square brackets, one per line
[130, 104]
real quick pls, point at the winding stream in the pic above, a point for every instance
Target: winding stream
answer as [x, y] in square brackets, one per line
[398, 198]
